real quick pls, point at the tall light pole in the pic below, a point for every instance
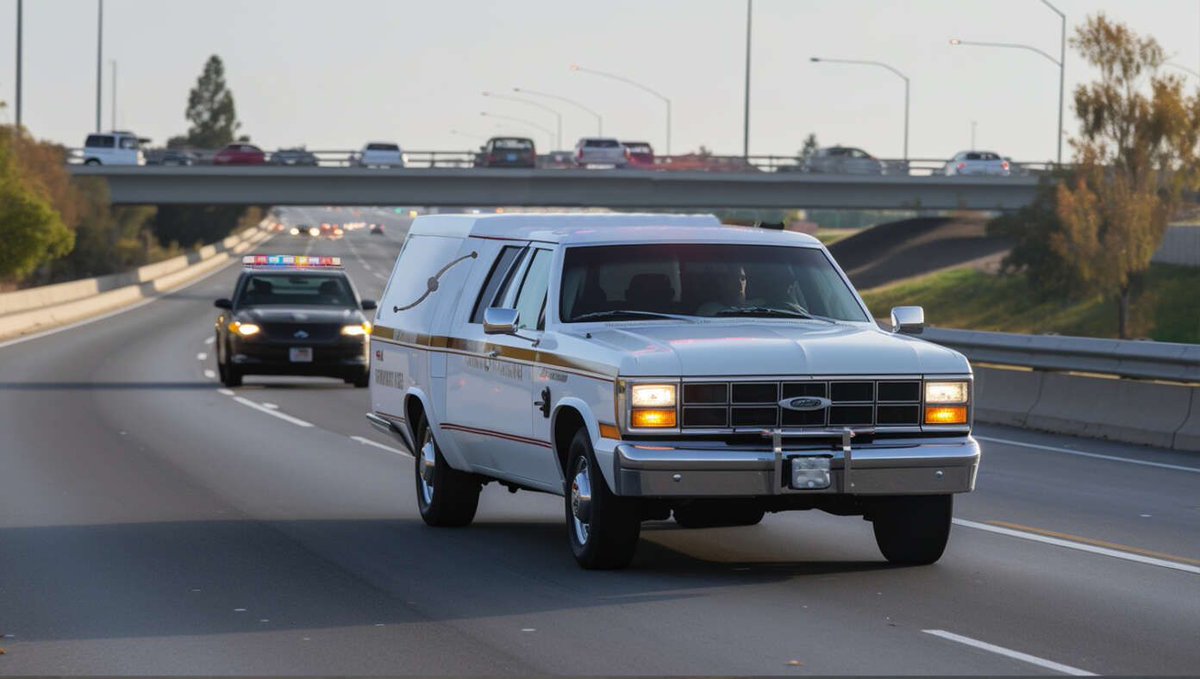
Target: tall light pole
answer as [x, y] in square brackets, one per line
[627, 81]
[18, 97]
[530, 123]
[746, 107]
[1061, 62]
[1190, 71]
[557, 115]
[113, 113]
[599, 120]
[880, 64]
[99, 58]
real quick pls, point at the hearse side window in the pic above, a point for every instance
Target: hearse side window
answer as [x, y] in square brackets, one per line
[497, 280]
[531, 300]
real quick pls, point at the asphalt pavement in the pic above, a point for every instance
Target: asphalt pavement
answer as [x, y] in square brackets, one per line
[152, 522]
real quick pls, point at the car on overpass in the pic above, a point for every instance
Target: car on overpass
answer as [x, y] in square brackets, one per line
[508, 152]
[294, 157]
[600, 151]
[987, 163]
[292, 315]
[240, 153]
[641, 154]
[843, 160]
[113, 148]
[380, 154]
[649, 366]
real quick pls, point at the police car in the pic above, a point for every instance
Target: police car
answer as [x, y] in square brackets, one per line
[293, 315]
[650, 366]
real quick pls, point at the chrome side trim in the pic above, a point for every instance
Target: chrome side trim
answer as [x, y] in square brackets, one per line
[394, 428]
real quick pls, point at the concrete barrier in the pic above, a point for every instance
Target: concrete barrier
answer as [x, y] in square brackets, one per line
[28, 311]
[1188, 435]
[1005, 396]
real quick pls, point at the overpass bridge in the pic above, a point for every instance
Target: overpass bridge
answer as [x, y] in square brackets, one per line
[466, 187]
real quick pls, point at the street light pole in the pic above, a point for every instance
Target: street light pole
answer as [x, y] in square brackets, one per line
[599, 120]
[557, 115]
[627, 81]
[114, 94]
[880, 64]
[18, 97]
[746, 108]
[99, 58]
[549, 133]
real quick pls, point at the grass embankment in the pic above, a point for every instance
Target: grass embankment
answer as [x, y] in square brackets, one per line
[1168, 309]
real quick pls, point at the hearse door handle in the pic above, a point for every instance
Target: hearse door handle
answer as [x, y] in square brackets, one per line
[544, 404]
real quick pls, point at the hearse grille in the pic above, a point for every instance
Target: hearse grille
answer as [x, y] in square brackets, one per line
[856, 403]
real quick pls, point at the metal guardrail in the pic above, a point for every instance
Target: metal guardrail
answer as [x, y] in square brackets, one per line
[1134, 359]
[425, 159]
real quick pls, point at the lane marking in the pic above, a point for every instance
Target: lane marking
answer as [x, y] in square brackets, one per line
[1096, 543]
[226, 392]
[272, 406]
[1112, 458]
[368, 442]
[201, 356]
[274, 413]
[210, 374]
[379, 276]
[209, 340]
[1009, 653]
[1083, 545]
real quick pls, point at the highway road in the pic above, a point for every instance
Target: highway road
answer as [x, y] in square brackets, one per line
[152, 522]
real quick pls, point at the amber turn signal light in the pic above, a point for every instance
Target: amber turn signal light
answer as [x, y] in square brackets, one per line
[946, 415]
[650, 419]
[610, 431]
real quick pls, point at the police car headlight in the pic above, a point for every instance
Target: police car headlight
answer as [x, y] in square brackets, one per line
[653, 396]
[295, 231]
[244, 329]
[358, 330]
[314, 231]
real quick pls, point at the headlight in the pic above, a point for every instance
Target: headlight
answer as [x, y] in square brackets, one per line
[314, 231]
[946, 392]
[653, 396]
[358, 330]
[295, 231]
[244, 329]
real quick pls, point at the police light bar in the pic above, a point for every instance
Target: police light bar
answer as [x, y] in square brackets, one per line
[293, 261]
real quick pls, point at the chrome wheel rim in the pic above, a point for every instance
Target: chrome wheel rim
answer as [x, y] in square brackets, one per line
[581, 502]
[427, 463]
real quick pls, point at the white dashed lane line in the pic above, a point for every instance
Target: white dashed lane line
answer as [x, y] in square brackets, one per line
[209, 340]
[225, 392]
[201, 356]
[273, 413]
[368, 442]
[210, 374]
[1009, 653]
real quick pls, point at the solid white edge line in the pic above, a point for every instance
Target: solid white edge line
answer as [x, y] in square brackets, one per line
[274, 413]
[226, 392]
[368, 442]
[1007, 652]
[1112, 458]
[210, 374]
[1058, 542]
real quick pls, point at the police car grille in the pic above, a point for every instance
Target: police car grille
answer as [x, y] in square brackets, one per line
[859, 403]
[288, 331]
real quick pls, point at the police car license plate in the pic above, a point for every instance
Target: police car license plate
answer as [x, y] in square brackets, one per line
[300, 354]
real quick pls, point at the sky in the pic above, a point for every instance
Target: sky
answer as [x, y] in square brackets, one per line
[333, 75]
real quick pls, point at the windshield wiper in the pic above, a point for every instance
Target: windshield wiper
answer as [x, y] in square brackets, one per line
[617, 313]
[764, 311]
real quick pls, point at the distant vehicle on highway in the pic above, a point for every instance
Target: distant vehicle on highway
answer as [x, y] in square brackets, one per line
[381, 154]
[556, 160]
[171, 157]
[240, 153]
[331, 231]
[978, 163]
[293, 315]
[296, 157]
[113, 148]
[377, 230]
[508, 152]
[641, 154]
[600, 151]
[305, 231]
[843, 160]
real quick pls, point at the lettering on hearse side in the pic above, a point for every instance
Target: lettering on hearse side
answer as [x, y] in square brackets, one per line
[504, 369]
[389, 378]
[554, 375]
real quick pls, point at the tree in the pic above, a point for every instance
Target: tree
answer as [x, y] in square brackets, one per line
[30, 229]
[210, 108]
[810, 146]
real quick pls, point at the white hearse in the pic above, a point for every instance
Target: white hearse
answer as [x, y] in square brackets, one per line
[644, 366]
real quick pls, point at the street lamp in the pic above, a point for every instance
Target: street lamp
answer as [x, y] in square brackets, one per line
[880, 64]
[599, 120]
[1060, 62]
[557, 115]
[1190, 71]
[530, 123]
[627, 81]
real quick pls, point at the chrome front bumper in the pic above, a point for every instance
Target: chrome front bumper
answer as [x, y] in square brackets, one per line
[927, 466]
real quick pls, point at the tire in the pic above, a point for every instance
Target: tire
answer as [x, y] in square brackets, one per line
[913, 531]
[91, 161]
[446, 497]
[230, 376]
[361, 380]
[701, 514]
[602, 528]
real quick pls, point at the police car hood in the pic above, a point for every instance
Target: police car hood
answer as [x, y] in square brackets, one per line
[770, 347]
[300, 314]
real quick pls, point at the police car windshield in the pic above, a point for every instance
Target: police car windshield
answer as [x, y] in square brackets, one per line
[282, 289]
[708, 280]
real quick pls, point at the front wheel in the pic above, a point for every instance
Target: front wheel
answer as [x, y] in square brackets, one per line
[230, 375]
[446, 497]
[913, 530]
[602, 528]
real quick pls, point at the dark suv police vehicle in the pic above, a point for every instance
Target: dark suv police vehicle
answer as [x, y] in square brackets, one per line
[293, 315]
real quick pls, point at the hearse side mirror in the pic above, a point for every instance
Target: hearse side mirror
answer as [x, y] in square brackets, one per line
[223, 303]
[498, 321]
[909, 320]
[368, 304]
